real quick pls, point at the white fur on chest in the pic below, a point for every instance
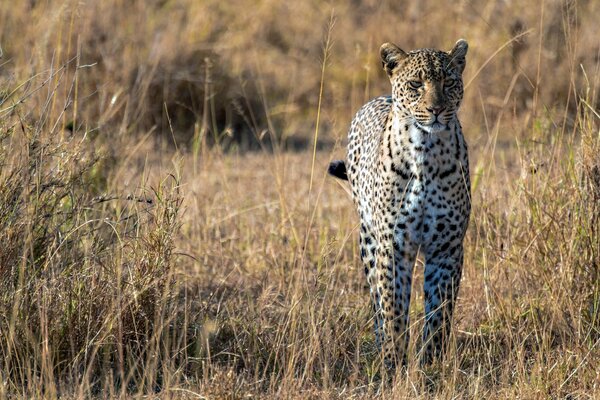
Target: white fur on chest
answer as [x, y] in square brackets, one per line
[429, 154]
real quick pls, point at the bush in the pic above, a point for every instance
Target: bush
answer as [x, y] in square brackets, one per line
[85, 279]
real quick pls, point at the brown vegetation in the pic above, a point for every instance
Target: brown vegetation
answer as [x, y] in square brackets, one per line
[167, 226]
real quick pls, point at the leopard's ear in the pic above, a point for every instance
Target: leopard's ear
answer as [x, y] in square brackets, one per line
[391, 55]
[458, 55]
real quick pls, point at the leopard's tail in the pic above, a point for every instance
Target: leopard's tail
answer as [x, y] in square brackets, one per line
[337, 168]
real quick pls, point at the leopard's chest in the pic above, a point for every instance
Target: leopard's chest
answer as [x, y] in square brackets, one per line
[428, 202]
[429, 211]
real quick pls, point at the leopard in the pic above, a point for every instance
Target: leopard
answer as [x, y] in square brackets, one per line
[408, 169]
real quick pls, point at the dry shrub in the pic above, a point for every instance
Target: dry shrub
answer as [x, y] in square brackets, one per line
[192, 101]
[86, 279]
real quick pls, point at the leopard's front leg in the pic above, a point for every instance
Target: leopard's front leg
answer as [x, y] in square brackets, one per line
[395, 257]
[443, 270]
[394, 268]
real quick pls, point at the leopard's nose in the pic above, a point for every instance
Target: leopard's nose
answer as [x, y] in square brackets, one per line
[436, 110]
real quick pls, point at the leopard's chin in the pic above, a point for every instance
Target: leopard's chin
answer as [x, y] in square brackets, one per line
[433, 127]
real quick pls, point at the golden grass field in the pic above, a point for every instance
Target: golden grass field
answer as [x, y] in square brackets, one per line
[168, 229]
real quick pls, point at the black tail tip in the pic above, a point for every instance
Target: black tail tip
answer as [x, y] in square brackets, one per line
[337, 168]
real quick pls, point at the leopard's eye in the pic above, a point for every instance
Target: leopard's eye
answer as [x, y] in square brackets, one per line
[448, 83]
[415, 84]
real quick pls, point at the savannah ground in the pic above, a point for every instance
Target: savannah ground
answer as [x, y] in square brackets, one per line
[168, 230]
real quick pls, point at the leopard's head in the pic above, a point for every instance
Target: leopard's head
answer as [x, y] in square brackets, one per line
[427, 84]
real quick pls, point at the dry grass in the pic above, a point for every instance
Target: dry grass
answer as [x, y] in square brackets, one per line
[168, 229]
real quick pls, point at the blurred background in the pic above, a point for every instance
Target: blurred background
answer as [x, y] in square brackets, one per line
[227, 72]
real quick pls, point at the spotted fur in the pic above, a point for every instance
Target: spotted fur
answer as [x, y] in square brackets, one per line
[408, 168]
